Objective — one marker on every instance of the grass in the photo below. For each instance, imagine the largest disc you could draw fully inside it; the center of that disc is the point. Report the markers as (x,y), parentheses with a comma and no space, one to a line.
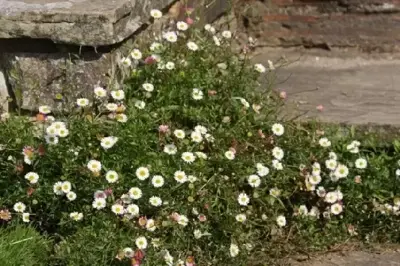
(22,245)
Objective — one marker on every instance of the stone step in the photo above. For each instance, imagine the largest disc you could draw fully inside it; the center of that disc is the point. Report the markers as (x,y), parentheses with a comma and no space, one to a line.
(353,88)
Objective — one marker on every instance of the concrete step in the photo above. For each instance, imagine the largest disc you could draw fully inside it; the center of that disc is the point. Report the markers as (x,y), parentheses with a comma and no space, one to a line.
(353,88)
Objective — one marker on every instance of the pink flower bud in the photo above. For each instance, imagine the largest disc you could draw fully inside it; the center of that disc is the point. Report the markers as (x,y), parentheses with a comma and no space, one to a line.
(189,21)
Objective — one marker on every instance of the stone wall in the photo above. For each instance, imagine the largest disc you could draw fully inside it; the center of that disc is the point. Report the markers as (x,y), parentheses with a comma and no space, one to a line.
(371,25)
(52,52)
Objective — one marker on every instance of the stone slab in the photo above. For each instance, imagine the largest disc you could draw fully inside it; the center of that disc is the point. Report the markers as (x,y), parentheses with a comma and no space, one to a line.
(79,22)
(353,88)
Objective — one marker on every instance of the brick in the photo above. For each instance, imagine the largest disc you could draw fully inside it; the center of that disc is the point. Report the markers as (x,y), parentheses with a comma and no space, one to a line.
(342,23)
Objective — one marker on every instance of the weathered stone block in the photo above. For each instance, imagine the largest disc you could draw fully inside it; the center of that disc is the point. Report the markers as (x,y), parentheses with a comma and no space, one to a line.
(53,51)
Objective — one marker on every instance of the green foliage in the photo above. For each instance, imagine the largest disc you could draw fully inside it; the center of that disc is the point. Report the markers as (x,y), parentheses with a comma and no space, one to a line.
(21,245)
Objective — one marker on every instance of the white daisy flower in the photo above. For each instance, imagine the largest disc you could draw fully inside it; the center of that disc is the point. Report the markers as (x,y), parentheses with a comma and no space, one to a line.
(118,95)
(331,164)
(155,201)
(217,41)
(262,170)
(100,92)
(192,46)
(151,225)
(118,209)
(259,68)
(157,181)
(243,199)
(196,137)
(32,177)
(281,221)
(82,102)
(341,171)
(128,253)
(52,140)
(170,149)
(148,87)
(180,134)
(111,176)
(275,192)
(277,164)
(112,107)
(140,104)
(339,194)
(314,179)
(132,209)
(25,217)
(353,147)
(303,210)
(19,207)
(336,209)
(171,36)
(122,118)
(278,153)
(332,155)
(321,192)
(361,163)
(230,155)
(192,178)
(188,157)
(58,125)
(63,132)
(155,13)
(278,129)
(94,166)
(51,131)
(398,172)
(197,94)
(142,173)
(66,186)
(135,193)
(71,196)
(244,102)
(201,155)
(141,242)
(254,180)
(170,65)
(45,109)
(125,61)
(76,216)
(197,234)
(241,218)
(226,34)
(180,177)
(324,142)
(201,129)
(314,212)
(209,137)
(316,168)
(233,250)
(57,188)
(108,142)
(331,197)
(183,220)
(136,54)
(181,25)
(156,47)
(99,203)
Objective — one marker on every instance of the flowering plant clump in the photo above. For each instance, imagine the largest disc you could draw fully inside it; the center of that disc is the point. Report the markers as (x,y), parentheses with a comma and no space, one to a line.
(185,163)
